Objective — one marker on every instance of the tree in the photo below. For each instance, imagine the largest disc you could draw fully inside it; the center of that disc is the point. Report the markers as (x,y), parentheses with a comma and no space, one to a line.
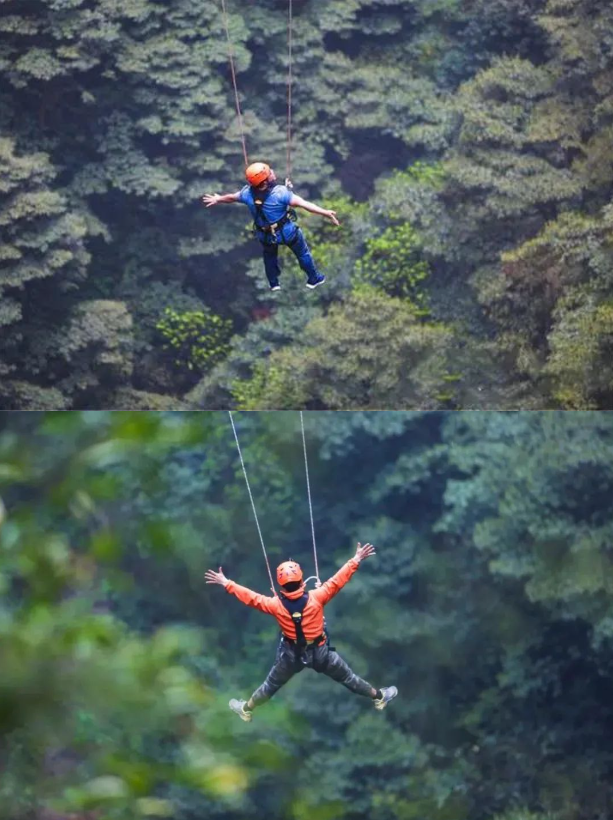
(581,344)
(392,263)
(43,236)
(197,339)
(370,353)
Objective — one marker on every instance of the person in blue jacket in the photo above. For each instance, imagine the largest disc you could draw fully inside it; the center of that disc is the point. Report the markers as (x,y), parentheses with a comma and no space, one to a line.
(269,204)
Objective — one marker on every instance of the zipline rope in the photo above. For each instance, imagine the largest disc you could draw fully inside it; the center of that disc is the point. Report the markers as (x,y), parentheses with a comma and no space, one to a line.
(290,79)
(306,469)
(255,515)
(233,72)
(289,93)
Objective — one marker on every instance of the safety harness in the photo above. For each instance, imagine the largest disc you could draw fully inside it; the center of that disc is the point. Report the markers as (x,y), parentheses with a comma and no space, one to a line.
(295,609)
(259,198)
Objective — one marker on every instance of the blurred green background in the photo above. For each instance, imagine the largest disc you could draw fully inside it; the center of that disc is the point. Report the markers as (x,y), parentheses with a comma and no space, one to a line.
(489,605)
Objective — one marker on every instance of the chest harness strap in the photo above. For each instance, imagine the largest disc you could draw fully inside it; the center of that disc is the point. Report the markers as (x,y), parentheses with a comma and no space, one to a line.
(295,609)
(261,223)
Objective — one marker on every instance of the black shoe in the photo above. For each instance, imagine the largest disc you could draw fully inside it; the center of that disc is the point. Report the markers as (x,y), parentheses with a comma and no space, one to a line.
(315,282)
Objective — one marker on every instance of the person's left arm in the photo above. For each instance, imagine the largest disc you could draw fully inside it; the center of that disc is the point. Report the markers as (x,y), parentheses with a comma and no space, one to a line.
(298,202)
(330,588)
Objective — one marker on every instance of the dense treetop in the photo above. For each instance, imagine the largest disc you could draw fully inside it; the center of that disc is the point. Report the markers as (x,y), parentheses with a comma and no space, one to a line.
(466,145)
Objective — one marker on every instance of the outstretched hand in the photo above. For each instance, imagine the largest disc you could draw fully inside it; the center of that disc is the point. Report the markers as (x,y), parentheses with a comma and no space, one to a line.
(213,577)
(364,551)
(332,217)
(210,199)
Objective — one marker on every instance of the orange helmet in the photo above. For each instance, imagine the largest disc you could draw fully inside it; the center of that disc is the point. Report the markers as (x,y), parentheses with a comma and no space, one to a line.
(257,173)
(287,572)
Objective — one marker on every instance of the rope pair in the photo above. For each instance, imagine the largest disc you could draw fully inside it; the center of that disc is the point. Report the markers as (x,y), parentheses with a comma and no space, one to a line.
(255,515)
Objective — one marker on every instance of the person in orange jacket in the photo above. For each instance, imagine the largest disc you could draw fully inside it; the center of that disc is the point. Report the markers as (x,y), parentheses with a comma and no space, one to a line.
(304,640)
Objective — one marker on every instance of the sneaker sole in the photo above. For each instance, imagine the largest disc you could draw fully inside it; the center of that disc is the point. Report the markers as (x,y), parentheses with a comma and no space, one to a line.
(380,705)
(316,285)
(240,713)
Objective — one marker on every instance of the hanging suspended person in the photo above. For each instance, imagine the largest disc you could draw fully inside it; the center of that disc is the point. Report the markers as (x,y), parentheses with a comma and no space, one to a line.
(304,639)
(269,204)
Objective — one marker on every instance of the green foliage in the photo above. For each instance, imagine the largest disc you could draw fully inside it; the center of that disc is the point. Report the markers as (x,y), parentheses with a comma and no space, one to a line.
(197,339)
(281,329)
(356,357)
(501,167)
(413,196)
(552,296)
(477,137)
(42,236)
(15,394)
(392,264)
(129,399)
(428,175)
(581,360)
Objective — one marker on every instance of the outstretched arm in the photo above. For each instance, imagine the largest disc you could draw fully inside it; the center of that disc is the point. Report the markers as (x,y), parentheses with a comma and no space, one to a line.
(299,202)
(216,199)
(247,596)
(327,591)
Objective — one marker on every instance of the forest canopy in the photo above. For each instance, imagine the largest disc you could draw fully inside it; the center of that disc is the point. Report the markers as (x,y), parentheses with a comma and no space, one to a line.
(488,604)
(465,144)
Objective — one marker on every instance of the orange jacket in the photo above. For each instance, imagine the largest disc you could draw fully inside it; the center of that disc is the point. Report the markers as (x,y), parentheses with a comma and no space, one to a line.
(313,612)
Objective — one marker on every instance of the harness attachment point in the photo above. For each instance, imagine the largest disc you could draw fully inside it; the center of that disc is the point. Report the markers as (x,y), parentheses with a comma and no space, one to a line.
(260,223)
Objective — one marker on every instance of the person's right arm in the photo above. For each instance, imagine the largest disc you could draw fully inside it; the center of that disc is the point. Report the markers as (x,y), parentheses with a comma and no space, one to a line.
(216,199)
(247,596)
(251,598)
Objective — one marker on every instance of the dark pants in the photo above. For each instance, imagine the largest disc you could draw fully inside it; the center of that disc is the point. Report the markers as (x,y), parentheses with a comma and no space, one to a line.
(320,658)
(293,237)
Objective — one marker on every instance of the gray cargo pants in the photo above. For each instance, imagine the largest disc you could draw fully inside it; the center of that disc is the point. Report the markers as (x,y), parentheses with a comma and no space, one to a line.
(320,658)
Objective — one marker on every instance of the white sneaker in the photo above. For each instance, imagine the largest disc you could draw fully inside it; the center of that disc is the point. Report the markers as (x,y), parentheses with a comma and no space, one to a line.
(238,706)
(389,693)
